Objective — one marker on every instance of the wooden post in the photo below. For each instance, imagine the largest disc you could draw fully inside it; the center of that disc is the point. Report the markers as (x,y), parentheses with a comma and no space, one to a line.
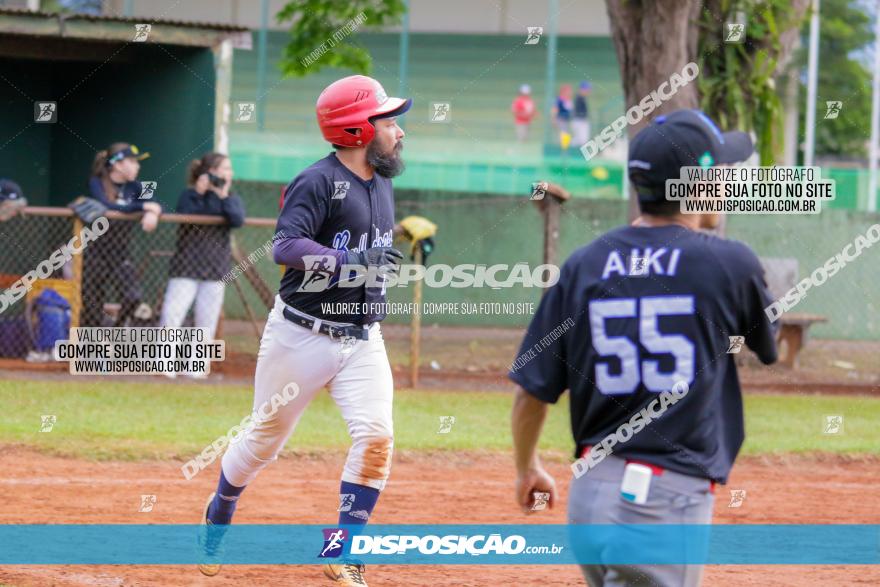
(550,205)
(551,230)
(416,326)
(77,277)
(221,321)
(222,92)
(252,275)
(247,308)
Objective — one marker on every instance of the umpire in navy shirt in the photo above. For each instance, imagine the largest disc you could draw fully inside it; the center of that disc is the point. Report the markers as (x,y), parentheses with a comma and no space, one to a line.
(638,329)
(203,254)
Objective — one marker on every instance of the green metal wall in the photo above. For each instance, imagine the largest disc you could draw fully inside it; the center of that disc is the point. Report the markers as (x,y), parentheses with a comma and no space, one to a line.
(24,146)
(849,299)
(489,229)
(160,98)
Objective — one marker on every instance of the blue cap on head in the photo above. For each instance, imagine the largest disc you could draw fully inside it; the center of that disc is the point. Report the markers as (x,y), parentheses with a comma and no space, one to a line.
(684,138)
(585,85)
(9,190)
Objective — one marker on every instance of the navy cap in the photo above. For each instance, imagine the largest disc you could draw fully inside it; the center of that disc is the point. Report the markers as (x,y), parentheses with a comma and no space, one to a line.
(684,138)
(9,190)
(129,151)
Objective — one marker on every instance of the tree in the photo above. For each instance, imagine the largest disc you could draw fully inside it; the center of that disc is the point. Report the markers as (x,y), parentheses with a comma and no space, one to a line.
(321,33)
(738,80)
(736,85)
(653,40)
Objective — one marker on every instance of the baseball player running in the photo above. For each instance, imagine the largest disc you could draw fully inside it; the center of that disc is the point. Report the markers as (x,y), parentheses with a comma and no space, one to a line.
(651,308)
(339,211)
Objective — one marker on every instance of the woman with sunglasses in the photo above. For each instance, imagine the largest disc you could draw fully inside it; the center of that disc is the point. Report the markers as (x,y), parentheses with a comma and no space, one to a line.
(107,262)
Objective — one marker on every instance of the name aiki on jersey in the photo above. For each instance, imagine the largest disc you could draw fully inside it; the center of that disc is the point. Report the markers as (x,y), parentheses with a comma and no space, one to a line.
(644,262)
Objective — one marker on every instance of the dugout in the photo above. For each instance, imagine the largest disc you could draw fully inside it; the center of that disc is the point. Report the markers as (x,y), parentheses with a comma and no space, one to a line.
(167,94)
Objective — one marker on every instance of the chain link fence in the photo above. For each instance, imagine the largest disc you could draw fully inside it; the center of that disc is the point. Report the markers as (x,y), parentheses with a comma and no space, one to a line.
(121,276)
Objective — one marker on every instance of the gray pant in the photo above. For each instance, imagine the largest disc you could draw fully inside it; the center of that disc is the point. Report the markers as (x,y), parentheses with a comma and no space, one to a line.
(672,499)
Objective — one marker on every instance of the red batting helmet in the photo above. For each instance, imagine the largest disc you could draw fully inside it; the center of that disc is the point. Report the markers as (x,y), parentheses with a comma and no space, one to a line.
(346,106)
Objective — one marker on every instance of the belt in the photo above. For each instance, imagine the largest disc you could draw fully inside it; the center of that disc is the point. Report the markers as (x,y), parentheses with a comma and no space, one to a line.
(654,468)
(331,330)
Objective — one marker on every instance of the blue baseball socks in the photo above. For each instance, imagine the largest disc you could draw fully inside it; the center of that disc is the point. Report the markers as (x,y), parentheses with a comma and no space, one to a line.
(356,503)
(221,509)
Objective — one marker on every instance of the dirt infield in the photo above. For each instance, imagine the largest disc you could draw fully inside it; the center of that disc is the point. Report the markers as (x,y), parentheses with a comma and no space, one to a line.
(439,488)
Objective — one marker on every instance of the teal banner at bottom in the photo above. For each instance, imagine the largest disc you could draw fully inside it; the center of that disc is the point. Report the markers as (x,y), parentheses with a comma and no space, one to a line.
(530,544)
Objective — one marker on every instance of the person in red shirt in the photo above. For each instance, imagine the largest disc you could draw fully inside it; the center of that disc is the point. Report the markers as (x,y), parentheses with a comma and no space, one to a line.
(523,109)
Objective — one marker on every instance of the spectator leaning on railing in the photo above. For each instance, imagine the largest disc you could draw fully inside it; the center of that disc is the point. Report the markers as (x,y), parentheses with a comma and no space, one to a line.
(12,199)
(203,253)
(107,262)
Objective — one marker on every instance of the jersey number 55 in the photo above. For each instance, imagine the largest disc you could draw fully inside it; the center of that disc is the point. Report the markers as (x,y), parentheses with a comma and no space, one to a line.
(633,370)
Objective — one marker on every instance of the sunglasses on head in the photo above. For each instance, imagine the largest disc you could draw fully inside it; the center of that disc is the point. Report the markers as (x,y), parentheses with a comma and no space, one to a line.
(130,151)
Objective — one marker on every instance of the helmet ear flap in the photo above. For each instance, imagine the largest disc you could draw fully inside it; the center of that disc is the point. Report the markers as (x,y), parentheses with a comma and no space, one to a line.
(354,136)
(368,131)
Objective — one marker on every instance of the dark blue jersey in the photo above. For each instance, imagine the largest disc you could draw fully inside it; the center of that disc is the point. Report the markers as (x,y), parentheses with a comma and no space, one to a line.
(641,308)
(331,205)
(581,107)
(563,108)
(113,248)
(203,251)
(127,195)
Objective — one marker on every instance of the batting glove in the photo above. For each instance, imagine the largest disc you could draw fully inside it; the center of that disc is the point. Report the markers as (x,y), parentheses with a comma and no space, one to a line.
(386,257)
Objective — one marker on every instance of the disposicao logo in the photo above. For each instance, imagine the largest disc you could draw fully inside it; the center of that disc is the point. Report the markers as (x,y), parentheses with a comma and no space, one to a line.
(334,542)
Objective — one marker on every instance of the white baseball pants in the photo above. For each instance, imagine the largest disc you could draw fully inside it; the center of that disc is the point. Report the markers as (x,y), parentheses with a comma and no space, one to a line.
(359,380)
(580,131)
(179,296)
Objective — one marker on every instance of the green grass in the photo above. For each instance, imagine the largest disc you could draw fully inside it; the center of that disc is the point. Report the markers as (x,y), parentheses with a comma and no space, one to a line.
(137,420)
(121,420)
(793,424)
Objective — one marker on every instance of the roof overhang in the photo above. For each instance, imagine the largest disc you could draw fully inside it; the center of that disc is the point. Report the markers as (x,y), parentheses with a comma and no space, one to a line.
(114,29)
